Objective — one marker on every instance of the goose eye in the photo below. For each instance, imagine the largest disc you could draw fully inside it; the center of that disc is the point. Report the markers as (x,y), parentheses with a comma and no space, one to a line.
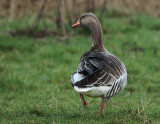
(83,17)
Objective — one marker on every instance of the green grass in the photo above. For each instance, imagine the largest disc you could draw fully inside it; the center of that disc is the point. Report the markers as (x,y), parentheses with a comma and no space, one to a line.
(35,74)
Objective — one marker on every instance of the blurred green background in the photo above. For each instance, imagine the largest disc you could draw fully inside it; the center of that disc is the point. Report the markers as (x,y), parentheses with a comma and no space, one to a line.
(39,51)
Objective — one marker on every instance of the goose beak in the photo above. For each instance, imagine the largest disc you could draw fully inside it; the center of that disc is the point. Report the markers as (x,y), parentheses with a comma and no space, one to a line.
(77,24)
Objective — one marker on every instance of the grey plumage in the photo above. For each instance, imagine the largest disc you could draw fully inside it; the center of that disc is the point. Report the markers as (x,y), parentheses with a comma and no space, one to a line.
(101,69)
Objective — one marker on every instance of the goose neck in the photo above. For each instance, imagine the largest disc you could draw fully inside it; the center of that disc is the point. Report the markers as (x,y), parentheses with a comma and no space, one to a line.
(96,33)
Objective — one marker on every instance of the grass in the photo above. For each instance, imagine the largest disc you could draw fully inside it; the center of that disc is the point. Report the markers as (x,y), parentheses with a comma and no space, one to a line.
(35,74)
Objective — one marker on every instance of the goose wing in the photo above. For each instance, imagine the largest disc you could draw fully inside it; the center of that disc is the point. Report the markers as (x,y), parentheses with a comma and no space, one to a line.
(97,69)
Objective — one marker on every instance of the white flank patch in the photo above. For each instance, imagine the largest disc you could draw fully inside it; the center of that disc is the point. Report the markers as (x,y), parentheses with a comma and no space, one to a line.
(93,91)
(81,90)
(77,77)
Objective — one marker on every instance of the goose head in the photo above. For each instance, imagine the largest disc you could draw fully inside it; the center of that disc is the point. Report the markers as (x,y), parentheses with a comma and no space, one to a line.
(86,20)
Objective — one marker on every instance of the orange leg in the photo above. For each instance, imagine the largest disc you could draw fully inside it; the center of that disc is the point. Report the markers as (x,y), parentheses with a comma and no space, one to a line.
(83,100)
(102,106)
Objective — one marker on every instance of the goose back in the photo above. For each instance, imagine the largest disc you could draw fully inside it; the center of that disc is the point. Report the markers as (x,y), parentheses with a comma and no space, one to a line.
(97,69)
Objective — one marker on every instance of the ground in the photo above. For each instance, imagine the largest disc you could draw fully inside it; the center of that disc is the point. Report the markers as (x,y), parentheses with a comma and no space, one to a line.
(35,74)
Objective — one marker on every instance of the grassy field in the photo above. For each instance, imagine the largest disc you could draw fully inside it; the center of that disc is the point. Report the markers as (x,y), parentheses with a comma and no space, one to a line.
(35,74)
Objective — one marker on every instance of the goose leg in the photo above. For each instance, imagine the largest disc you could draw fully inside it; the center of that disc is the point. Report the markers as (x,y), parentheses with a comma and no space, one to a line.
(83,100)
(102,106)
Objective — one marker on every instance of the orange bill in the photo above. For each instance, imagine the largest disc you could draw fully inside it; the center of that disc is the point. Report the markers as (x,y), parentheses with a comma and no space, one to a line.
(77,24)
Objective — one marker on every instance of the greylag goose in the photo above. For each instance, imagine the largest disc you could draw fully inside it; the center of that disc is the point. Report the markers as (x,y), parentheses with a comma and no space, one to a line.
(99,73)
